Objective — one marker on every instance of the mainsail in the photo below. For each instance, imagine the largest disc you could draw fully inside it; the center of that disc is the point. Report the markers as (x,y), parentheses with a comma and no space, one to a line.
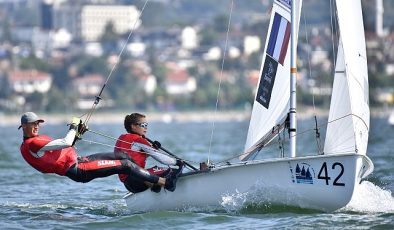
(271,103)
(347,130)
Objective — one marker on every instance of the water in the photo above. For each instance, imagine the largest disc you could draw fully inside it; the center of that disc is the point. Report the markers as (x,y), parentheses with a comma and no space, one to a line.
(31,200)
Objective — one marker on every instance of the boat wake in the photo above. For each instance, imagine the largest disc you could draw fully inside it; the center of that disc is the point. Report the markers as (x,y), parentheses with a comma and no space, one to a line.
(369,198)
(256,201)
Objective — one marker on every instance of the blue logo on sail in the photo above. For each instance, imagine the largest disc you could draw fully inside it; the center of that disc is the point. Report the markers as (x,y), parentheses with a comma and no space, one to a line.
(267,81)
(303,174)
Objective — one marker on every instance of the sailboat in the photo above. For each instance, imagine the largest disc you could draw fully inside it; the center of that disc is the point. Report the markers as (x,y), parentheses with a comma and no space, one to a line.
(324,180)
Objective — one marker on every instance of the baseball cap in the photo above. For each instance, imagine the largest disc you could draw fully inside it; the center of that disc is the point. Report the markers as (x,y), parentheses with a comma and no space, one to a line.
(29,117)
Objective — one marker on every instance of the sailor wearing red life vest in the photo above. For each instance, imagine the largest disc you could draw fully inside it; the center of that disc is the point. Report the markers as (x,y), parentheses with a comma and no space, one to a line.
(58,156)
(138,149)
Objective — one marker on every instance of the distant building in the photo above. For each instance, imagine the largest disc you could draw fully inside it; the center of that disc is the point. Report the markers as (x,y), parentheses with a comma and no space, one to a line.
(146,80)
(46,15)
(67,15)
(234,52)
(61,38)
(379,29)
(94,18)
(42,41)
(148,83)
(29,81)
(136,48)
(213,54)
(389,69)
(94,49)
(178,80)
(159,38)
(189,38)
(87,88)
(251,44)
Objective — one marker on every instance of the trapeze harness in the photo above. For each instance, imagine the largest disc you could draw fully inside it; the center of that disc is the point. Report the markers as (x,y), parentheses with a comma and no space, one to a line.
(57,156)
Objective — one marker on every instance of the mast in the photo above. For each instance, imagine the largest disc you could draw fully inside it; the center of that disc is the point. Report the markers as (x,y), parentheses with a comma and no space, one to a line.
(293,79)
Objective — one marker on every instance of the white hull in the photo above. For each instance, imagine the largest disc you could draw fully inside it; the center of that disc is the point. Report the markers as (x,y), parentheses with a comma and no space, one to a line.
(328,186)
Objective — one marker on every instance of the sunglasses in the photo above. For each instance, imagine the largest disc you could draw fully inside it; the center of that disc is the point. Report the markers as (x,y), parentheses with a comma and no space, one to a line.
(142,124)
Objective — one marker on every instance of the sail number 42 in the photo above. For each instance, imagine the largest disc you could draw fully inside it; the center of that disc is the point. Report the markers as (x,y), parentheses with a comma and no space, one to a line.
(324,175)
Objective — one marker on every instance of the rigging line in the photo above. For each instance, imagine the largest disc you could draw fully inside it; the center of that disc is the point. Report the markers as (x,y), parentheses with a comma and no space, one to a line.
(112,146)
(220,79)
(334,120)
(257,150)
(332,22)
(108,145)
(313,94)
(108,136)
(297,134)
(309,60)
(126,142)
(98,97)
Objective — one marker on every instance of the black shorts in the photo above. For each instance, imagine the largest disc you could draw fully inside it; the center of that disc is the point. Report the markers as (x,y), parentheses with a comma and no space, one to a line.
(135,185)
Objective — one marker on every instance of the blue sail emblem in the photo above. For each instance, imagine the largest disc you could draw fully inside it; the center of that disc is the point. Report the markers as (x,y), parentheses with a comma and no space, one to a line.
(303,174)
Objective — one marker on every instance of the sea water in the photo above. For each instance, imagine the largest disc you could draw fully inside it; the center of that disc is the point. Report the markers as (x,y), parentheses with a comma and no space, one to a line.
(31,200)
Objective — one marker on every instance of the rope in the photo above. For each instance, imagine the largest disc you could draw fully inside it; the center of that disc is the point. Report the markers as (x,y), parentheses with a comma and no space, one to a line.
(98,97)
(332,22)
(108,145)
(313,94)
(220,79)
(117,139)
(298,134)
(234,156)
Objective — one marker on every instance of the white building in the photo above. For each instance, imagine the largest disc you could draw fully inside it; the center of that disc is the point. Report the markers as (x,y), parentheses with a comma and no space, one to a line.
(146,80)
(178,80)
(213,54)
(87,88)
(189,38)
(68,16)
(29,81)
(61,38)
(251,44)
(94,18)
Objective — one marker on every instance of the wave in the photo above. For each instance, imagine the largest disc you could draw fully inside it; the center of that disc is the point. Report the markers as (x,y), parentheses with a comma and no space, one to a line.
(369,198)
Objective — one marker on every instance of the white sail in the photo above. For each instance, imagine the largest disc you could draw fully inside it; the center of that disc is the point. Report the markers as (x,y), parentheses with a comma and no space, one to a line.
(348,126)
(271,103)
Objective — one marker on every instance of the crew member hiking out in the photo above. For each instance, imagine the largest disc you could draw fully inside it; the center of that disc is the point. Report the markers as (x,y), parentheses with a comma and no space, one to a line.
(58,156)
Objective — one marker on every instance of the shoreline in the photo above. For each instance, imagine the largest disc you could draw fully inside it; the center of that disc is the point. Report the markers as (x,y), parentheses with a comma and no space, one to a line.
(174,116)
(118,117)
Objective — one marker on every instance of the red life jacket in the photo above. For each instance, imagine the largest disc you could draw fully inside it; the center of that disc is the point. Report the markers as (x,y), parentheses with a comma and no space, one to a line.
(124,143)
(54,161)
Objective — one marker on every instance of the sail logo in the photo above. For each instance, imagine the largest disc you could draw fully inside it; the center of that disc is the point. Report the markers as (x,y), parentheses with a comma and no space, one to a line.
(303,173)
(279,38)
(267,80)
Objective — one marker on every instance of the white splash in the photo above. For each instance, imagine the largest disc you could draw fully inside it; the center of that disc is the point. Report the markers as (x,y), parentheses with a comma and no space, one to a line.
(233,202)
(370,198)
